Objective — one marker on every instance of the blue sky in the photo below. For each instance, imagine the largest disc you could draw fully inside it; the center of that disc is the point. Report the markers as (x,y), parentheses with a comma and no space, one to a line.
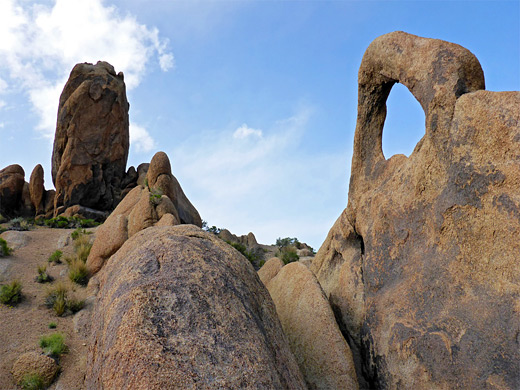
(253,101)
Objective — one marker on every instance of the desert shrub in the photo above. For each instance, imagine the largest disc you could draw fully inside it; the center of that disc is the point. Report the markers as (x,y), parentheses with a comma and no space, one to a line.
(78,233)
(75,305)
(78,272)
(213,229)
(288,254)
(53,345)
(82,252)
(61,222)
(19,224)
(82,244)
(32,381)
(43,276)
(251,256)
(4,248)
(55,257)
(155,196)
(287,241)
(53,325)
(59,300)
(11,294)
(56,298)
(69,259)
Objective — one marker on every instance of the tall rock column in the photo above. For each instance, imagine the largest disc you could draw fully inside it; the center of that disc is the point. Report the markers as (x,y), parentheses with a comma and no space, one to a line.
(92,138)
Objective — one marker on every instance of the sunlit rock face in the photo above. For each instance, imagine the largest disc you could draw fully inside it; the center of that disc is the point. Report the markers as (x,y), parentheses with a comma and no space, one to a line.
(178,308)
(422,268)
(92,138)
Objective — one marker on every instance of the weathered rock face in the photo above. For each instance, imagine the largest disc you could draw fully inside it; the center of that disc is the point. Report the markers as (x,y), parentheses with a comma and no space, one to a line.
(179,308)
(12,180)
(321,351)
(49,203)
(141,208)
(92,140)
(37,189)
(26,207)
(248,241)
(161,181)
(422,267)
(269,270)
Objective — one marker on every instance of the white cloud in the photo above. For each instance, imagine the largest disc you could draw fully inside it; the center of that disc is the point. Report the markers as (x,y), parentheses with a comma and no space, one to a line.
(270,187)
(40,44)
(2,104)
(3,86)
(166,62)
(244,132)
(140,139)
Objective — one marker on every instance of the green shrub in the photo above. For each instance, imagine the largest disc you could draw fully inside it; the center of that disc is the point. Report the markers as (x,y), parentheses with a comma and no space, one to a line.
(53,325)
(61,222)
(288,254)
(4,249)
(19,224)
(82,244)
(60,305)
(58,299)
(155,197)
(11,294)
(78,233)
(287,241)
(53,345)
(32,381)
(75,305)
(43,276)
(78,272)
(213,229)
(55,257)
(251,256)
(83,251)
(2,219)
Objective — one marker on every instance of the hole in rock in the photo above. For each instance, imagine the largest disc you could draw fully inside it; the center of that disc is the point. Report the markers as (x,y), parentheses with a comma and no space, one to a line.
(404,124)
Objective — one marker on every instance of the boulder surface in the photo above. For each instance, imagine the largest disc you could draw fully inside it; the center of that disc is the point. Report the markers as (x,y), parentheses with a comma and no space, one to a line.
(179,308)
(422,267)
(37,189)
(12,180)
(321,351)
(143,207)
(92,138)
(35,363)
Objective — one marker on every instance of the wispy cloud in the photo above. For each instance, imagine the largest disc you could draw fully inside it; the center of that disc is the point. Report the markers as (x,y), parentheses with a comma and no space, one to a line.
(40,44)
(140,139)
(244,132)
(268,184)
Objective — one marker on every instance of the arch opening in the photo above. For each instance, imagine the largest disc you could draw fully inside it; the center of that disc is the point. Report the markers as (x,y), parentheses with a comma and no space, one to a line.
(404,124)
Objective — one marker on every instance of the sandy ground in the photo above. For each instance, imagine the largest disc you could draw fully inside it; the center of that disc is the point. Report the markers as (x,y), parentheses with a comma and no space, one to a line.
(22,326)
